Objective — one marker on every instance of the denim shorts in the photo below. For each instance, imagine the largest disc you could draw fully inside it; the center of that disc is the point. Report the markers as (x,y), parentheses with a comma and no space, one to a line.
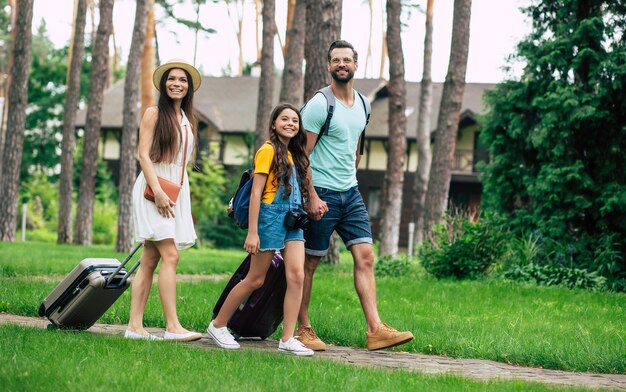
(272,230)
(346,215)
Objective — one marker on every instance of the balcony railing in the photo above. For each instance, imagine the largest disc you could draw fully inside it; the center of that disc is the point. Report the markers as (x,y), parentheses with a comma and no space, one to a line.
(463,161)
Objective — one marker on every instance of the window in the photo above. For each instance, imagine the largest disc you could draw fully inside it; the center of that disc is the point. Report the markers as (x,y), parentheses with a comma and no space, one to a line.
(373,202)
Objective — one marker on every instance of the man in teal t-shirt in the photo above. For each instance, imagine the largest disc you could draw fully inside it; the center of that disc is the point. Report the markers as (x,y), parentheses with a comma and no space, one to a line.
(333,158)
(335,203)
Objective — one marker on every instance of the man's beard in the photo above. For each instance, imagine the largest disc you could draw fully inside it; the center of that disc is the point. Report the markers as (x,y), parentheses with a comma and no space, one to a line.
(342,79)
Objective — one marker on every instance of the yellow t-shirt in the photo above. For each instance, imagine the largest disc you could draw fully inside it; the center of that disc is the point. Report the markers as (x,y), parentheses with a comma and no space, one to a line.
(262,162)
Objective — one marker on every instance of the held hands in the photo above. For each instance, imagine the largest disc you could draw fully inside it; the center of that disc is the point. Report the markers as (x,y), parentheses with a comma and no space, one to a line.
(164,204)
(252,243)
(317,207)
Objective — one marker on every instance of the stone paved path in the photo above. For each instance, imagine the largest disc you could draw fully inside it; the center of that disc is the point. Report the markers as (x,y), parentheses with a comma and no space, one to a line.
(430,364)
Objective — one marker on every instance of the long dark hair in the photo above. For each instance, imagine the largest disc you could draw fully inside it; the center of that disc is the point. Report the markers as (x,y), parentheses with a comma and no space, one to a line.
(297,147)
(165,144)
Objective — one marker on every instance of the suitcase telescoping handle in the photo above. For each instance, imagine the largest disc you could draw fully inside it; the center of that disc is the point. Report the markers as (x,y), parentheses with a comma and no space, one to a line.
(132,269)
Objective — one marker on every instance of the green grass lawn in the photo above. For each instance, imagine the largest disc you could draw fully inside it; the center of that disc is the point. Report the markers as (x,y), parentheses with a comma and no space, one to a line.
(549,327)
(39,360)
(39,258)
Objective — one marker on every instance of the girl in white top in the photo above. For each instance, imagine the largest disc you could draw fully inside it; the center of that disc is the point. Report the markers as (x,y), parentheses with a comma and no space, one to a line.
(164,226)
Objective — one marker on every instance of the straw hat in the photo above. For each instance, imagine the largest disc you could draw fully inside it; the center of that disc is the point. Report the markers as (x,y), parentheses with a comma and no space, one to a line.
(177,63)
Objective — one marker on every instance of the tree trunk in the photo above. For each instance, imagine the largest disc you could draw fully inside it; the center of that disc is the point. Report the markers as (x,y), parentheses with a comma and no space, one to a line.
(147,62)
(18,100)
(423,131)
(258,9)
(99,71)
(128,163)
(196,34)
(291,12)
(383,56)
(292,85)
(239,8)
(368,55)
(6,84)
(266,81)
(394,176)
(92,13)
(332,257)
(72,96)
(448,121)
(113,61)
(323,26)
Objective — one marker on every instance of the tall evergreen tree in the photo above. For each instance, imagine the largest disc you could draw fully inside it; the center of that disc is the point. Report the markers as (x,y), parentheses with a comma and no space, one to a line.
(72,96)
(128,151)
(420,185)
(99,72)
(394,176)
(6,62)
(266,81)
(556,137)
(147,61)
(18,97)
(323,26)
(448,120)
(292,84)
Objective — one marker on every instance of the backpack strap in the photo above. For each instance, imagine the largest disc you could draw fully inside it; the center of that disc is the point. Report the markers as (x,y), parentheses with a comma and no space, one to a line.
(330,109)
(368,111)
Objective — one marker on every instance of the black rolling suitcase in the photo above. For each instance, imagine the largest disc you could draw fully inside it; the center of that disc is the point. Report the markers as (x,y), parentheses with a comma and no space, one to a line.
(87,292)
(262,312)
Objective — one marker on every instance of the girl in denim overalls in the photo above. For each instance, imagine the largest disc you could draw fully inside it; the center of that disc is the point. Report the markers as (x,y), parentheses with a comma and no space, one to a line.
(280,185)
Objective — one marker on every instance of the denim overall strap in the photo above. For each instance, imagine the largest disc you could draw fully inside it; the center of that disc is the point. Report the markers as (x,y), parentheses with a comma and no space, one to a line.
(295,198)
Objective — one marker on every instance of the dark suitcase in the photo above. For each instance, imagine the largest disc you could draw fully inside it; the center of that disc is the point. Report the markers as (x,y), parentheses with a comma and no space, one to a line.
(87,292)
(262,312)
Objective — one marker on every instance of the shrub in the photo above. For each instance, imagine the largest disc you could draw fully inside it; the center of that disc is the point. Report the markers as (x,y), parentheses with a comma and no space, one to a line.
(104,223)
(461,248)
(220,231)
(211,189)
(609,262)
(547,262)
(553,275)
(39,235)
(387,266)
(522,251)
(42,198)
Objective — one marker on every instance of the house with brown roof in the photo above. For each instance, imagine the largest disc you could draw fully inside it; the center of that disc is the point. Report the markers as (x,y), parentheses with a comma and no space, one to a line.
(226,112)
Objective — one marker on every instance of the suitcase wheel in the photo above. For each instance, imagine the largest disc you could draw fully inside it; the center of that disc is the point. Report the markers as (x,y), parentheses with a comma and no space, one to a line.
(42,310)
(52,327)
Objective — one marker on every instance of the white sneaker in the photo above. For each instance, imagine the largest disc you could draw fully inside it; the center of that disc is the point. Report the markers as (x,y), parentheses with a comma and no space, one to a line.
(222,337)
(295,347)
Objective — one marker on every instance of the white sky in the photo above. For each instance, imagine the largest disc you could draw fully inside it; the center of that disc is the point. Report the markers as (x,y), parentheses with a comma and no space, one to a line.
(496,27)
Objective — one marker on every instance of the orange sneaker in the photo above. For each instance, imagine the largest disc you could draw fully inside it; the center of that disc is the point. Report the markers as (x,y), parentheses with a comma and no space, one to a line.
(307,336)
(386,337)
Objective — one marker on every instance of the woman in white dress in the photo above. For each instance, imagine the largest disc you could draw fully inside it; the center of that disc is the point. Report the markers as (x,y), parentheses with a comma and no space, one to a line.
(164,226)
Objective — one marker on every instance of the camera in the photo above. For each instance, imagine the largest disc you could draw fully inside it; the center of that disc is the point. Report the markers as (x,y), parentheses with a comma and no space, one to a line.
(297,219)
